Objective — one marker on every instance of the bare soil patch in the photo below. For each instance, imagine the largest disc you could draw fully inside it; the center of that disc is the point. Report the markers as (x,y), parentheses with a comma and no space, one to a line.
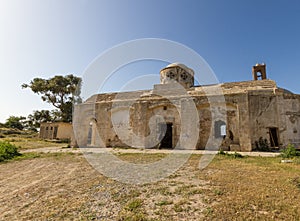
(64,186)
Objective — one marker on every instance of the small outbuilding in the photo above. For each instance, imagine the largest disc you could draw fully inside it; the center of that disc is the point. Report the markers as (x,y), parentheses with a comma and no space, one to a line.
(56,130)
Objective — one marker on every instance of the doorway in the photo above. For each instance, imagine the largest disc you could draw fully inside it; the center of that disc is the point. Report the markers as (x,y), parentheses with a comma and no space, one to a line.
(90,133)
(273,131)
(166,141)
(55,132)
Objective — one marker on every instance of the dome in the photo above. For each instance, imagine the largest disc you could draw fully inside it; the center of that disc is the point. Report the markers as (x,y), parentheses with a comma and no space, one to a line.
(177,72)
(184,67)
(176,64)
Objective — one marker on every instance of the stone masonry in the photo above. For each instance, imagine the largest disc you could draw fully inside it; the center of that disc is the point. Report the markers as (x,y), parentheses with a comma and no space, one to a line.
(232,116)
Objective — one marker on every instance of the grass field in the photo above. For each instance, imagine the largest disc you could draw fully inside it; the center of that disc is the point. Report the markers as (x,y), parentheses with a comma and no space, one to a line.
(64,186)
(30,141)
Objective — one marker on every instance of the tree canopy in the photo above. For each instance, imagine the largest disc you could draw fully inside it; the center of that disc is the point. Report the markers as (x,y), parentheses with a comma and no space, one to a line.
(38,117)
(60,91)
(15,122)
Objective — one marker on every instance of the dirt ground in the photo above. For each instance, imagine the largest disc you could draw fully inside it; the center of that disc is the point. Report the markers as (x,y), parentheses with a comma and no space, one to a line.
(64,186)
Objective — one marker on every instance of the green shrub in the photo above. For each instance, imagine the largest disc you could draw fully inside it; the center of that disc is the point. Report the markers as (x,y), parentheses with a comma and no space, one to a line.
(221,152)
(232,155)
(11,132)
(262,145)
(289,151)
(8,151)
(237,155)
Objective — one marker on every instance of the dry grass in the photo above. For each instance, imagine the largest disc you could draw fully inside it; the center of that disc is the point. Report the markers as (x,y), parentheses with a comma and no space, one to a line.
(31,142)
(64,186)
(26,139)
(255,189)
(140,158)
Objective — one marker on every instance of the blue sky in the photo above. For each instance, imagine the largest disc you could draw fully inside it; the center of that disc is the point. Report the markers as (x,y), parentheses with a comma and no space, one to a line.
(59,37)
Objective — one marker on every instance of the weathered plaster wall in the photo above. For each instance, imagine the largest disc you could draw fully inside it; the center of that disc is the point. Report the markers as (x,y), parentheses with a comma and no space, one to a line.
(263,114)
(133,118)
(56,130)
(275,109)
(289,118)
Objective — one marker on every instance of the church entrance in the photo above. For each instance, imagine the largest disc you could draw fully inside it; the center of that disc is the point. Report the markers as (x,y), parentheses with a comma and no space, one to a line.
(274,142)
(166,141)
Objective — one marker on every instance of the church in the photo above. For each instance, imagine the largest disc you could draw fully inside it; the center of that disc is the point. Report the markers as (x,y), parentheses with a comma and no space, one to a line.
(176,114)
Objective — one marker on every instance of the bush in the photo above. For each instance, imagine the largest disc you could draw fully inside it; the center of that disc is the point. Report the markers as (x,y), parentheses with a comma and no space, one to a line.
(8,151)
(289,151)
(232,155)
(237,155)
(11,132)
(221,152)
(262,145)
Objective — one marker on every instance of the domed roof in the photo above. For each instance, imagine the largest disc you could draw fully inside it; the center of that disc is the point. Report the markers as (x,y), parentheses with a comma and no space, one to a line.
(184,67)
(177,64)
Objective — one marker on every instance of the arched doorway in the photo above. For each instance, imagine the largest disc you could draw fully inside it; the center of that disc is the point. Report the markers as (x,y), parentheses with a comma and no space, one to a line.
(166,141)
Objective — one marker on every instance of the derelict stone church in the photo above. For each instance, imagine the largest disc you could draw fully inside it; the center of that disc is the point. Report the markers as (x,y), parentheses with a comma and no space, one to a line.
(229,115)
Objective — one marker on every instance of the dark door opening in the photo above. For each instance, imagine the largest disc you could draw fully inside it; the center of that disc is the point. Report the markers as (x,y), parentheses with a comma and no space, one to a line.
(55,132)
(90,132)
(273,131)
(166,141)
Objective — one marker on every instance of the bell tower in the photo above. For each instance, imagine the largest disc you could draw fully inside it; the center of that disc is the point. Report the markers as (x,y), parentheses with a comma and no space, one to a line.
(259,72)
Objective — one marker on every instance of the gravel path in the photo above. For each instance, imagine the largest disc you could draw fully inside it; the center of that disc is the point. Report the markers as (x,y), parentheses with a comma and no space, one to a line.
(120,150)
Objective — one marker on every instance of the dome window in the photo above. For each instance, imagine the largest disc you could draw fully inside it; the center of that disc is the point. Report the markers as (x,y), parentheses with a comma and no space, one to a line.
(170,75)
(184,76)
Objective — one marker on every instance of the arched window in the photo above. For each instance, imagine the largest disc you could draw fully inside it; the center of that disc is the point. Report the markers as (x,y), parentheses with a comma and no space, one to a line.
(223,130)
(220,129)
(91,132)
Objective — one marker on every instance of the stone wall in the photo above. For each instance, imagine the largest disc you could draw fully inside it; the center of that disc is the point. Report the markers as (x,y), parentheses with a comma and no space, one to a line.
(248,109)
